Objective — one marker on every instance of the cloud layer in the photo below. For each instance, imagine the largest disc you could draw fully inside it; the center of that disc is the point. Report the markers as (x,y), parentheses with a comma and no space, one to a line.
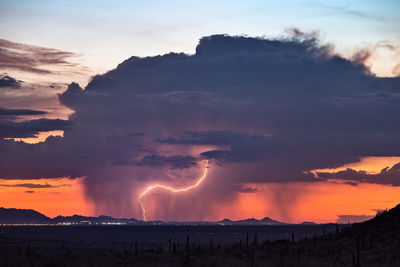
(258,110)
(31,58)
(20,112)
(8,81)
(386,175)
(11,129)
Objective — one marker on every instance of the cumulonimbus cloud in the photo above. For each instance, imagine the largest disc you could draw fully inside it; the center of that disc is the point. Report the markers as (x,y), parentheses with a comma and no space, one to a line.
(258,110)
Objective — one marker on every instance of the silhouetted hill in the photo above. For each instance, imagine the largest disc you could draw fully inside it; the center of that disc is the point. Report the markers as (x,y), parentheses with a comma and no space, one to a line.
(29,216)
(388,217)
(308,223)
(386,223)
(375,242)
(251,221)
(21,216)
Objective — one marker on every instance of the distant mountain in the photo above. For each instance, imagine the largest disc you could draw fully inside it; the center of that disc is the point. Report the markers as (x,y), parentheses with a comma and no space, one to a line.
(29,216)
(251,221)
(308,223)
(22,216)
(102,219)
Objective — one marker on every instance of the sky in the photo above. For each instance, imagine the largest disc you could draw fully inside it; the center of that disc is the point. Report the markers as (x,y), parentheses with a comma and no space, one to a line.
(287,109)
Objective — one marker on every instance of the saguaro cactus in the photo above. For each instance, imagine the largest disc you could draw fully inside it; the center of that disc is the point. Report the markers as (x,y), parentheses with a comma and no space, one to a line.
(358,253)
(247,239)
(252,257)
(136,247)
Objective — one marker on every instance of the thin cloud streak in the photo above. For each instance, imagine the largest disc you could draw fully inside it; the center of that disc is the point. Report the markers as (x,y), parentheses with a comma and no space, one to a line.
(33,59)
(28,185)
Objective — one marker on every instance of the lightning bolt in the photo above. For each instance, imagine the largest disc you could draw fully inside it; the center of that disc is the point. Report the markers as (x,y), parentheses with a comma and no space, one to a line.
(169,188)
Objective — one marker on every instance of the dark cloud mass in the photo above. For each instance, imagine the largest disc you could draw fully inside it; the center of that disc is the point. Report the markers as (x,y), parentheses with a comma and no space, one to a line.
(11,129)
(29,185)
(248,190)
(8,81)
(20,112)
(257,110)
(175,162)
(386,176)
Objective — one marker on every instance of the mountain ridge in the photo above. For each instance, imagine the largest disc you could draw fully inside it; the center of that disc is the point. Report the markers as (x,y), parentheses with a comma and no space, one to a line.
(251,221)
(21,216)
(30,216)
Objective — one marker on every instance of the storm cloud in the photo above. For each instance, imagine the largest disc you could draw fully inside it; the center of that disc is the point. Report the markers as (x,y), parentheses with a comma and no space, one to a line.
(20,112)
(8,81)
(30,128)
(385,176)
(257,110)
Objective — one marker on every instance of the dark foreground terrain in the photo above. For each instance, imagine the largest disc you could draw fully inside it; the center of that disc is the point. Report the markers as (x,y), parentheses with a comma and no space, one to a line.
(372,243)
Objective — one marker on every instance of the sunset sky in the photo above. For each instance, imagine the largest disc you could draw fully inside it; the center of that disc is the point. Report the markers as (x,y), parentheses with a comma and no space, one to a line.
(287,109)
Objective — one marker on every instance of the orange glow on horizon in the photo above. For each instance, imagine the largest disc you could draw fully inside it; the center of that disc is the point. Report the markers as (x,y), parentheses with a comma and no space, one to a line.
(293,202)
(319,202)
(63,196)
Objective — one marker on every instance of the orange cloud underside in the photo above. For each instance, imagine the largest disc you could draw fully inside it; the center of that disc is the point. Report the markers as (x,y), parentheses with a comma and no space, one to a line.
(372,165)
(65,199)
(40,137)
